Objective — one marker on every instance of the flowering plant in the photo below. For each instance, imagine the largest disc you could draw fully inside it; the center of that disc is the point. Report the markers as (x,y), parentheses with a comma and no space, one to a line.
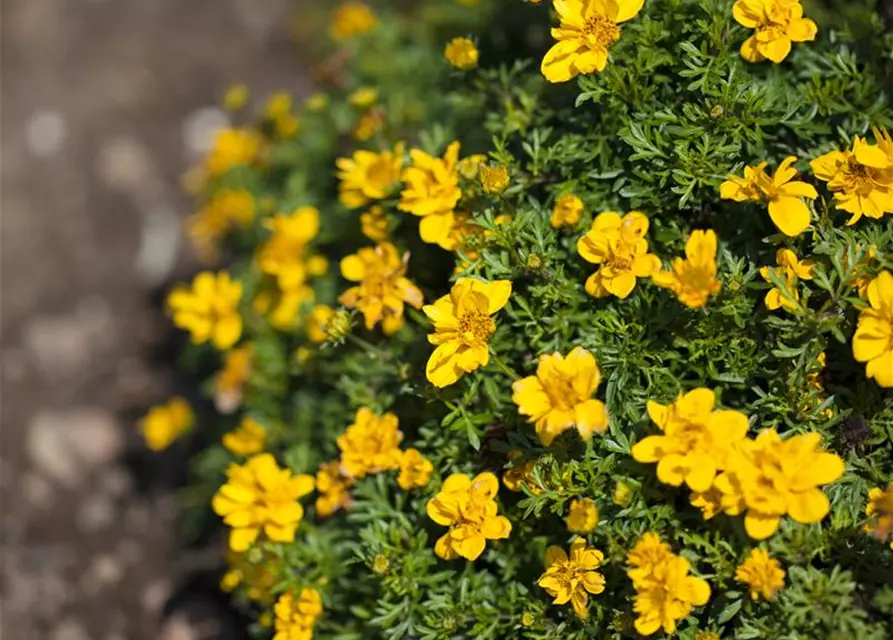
(521,337)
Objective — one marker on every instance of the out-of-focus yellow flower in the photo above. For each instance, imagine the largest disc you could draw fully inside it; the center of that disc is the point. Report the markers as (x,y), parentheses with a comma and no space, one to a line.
(461,53)
(257,575)
(166,422)
(761,573)
(559,396)
(247,439)
(259,495)
(332,487)
(375,224)
(296,616)
(227,209)
(317,102)
(776,24)
(567,211)
(284,254)
(519,474)
(582,516)
(873,340)
(622,494)
(209,309)
(231,379)
(382,287)
(667,596)
(236,97)
(790,269)
(571,578)
(232,148)
(431,191)
(880,513)
(317,329)
(494,179)
(693,279)
(368,176)
(369,124)
(415,470)
(363,98)
(352,19)
(462,328)
(370,444)
(282,307)
(470,167)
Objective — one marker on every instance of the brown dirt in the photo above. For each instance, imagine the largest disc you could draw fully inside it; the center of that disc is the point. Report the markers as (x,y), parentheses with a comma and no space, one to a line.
(104,105)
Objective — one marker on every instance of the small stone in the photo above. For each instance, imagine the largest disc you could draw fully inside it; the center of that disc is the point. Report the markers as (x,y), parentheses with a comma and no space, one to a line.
(178,627)
(104,571)
(38,491)
(45,133)
(159,245)
(69,630)
(201,126)
(115,482)
(124,164)
(155,596)
(95,514)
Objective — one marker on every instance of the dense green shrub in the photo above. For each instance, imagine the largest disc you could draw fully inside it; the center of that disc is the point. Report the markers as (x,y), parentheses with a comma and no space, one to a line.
(674,113)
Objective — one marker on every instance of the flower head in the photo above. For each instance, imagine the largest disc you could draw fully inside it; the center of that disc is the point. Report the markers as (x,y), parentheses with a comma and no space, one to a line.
(363,98)
(461,53)
(259,495)
(776,24)
(587,31)
(619,246)
(332,489)
(873,340)
(317,323)
(790,269)
(572,577)
(468,507)
(668,596)
(368,176)
(257,575)
(582,516)
(567,211)
(861,179)
(431,191)
(352,19)
(247,439)
(415,470)
(231,379)
(295,616)
(209,309)
(370,444)
(696,439)
(383,289)
(559,396)
(762,574)
(494,179)
(236,97)
(166,422)
(227,209)
(284,255)
(369,124)
(693,279)
(880,513)
(463,325)
(781,192)
(769,478)
(375,224)
(232,148)
(643,559)
(519,474)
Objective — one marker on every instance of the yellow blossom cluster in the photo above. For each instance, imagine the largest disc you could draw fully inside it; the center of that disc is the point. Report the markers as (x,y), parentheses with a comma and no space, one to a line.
(209,309)
(279,111)
(296,615)
(665,591)
(352,19)
(761,573)
(571,577)
(468,507)
(229,382)
(776,24)
(461,53)
(790,270)
(246,439)
(880,513)
(166,422)
(227,209)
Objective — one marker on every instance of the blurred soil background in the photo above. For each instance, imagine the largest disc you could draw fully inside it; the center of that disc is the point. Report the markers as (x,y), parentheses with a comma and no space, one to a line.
(105,104)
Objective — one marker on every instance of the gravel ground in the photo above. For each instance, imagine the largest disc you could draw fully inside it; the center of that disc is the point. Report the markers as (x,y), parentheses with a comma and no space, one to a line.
(105,104)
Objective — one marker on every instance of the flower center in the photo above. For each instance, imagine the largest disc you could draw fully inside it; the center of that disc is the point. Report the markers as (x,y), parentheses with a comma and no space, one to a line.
(476,327)
(380,173)
(601,30)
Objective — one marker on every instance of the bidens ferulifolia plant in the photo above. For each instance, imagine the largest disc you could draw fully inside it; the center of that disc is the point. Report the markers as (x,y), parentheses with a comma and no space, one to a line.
(568,319)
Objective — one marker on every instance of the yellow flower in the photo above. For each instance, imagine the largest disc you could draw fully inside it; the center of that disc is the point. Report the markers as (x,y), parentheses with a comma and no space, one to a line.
(317,331)
(858,278)
(587,31)
(209,309)
(619,246)
(368,176)
(283,306)
(363,98)
(236,97)
(247,439)
(667,596)
(782,193)
(257,575)
(382,287)
(518,475)
(370,444)
(494,179)
(696,440)
(461,53)
(375,224)
(352,19)
(776,23)
(259,495)
(468,507)
(710,502)
(295,617)
(232,148)
(571,578)
(165,423)
(622,494)
(860,178)
(559,396)
(278,105)
(470,167)
(369,124)
(649,552)
(227,208)
(432,192)
(873,340)
(693,279)
(567,211)
(582,517)
(770,478)
(284,254)
(880,513)
(317,102)
(332,488)
(790,269)
(707,635)
(761,573)
(462,328)
(415,470)
(231,379)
